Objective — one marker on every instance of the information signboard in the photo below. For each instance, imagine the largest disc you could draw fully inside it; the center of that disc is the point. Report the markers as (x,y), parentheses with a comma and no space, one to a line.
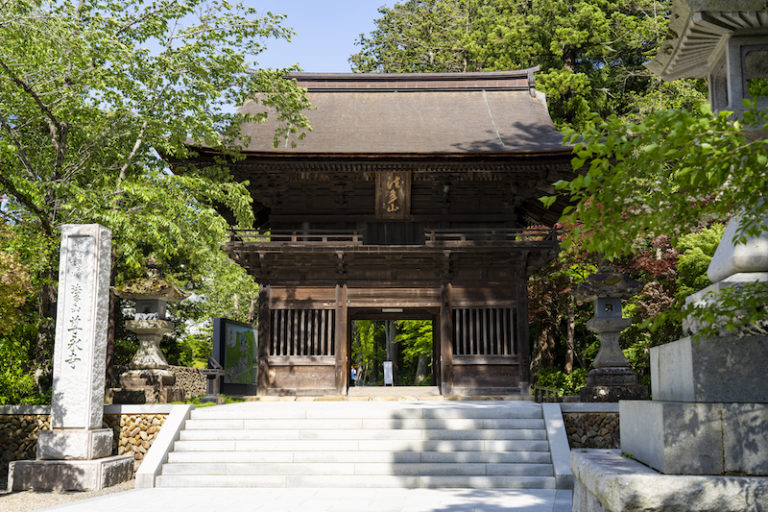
(388,380)
(234,347)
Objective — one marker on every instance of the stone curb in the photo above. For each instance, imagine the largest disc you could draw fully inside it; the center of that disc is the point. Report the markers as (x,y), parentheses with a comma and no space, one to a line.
(7,410)
(558,445)
(589,407)
(158,452)
(619,483)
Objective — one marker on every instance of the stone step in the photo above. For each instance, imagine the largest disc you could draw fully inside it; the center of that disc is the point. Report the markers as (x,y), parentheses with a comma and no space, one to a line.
(445,445)
(541,457)
(354,434)
(364,423)
(366,468)
(370,481)
(370,410)
(394,391)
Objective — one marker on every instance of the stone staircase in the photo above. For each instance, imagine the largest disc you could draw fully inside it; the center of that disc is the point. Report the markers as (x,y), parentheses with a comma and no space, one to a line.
(441,444)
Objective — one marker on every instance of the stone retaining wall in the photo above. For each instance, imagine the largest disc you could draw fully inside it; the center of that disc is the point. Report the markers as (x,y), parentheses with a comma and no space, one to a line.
(592,429)
(190,380)
(134,433)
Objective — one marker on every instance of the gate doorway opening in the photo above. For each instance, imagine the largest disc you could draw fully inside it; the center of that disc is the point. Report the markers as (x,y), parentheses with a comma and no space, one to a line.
(407,340)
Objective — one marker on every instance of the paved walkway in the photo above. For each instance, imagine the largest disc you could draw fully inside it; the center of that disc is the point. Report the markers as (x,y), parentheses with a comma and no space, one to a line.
(327,500)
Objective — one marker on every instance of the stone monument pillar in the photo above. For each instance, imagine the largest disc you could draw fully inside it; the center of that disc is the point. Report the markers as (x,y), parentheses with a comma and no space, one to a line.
(75,453)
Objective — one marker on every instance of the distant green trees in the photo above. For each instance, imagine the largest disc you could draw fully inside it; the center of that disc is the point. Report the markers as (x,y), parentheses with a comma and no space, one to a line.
(590,51)
(410,351)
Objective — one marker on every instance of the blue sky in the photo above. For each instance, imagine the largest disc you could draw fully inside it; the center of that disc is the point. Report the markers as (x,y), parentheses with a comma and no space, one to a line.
(326,31)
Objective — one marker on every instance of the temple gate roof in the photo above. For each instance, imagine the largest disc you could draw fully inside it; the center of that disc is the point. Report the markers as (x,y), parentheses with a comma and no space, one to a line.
(416,113)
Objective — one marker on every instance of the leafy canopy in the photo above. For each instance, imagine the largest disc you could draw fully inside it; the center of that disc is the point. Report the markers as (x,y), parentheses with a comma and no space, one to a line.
(93,93)
(667,174)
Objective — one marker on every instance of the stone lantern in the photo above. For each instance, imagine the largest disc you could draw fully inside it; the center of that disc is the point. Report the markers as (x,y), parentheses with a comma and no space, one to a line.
(149,380)
(610,378)
(722,41)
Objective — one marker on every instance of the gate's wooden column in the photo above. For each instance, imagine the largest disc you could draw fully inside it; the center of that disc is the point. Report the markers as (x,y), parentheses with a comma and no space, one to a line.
(342,347)
(265,334)
(524,352)
(446,340)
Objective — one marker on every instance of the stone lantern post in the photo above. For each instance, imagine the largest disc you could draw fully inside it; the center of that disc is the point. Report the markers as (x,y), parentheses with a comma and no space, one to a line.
(610,379)
(149,380)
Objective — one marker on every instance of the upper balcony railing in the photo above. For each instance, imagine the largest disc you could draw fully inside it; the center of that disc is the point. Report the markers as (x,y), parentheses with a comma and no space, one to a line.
(451,237)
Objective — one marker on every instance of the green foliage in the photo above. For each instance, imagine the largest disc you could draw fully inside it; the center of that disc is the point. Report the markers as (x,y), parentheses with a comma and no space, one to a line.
(415,339)
(590,51)
(97,97)
(663,176)
(696,251)
(736,310)
(564,383)
(17,386)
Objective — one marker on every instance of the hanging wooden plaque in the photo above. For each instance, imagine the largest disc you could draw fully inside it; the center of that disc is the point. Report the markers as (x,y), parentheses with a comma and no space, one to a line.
(393,195)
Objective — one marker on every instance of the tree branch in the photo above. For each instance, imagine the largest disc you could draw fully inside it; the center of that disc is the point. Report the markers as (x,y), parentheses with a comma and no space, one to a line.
(140,19)
(22,153)
(21,83)
(28,202)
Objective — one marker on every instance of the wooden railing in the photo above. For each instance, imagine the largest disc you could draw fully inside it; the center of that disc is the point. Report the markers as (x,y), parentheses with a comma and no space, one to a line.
(485,235)
(300,236)
(433,237)
(542,394)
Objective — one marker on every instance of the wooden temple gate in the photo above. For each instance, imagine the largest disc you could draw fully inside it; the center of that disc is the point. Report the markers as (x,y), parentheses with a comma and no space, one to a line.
(416,193)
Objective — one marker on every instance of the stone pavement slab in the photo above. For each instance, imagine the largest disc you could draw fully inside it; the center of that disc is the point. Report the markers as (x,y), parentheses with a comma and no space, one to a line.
(328,500)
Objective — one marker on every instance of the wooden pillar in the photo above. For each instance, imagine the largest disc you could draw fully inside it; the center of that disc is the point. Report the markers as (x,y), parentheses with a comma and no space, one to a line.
(446,341)
(265,335)
(522,334)
(342,347)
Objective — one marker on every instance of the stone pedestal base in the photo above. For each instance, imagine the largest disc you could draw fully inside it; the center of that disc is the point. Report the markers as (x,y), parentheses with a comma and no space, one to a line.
(72,444)
(146,386)
(147,395)
(611,384)
(604,481)
(696,438)
(721,369)
(142,378)
(69,475)
(612,393)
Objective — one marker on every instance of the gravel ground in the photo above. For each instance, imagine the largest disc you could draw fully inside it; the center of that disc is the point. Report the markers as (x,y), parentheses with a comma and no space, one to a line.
(25,501)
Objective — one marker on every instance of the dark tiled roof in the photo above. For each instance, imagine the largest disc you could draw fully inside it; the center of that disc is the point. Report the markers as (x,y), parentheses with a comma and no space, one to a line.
(423,113)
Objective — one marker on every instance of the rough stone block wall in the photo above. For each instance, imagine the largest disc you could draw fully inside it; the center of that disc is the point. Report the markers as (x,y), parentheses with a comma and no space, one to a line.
(592,429)
(18,439)
(133,435)
(190,380)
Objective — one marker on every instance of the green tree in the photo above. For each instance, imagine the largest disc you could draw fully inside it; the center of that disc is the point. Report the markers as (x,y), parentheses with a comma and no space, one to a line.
(92,93)
(590,51)
(415,339)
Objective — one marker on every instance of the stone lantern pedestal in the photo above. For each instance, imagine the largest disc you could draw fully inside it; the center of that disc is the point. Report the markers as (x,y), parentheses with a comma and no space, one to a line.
(610,379)
(148,379)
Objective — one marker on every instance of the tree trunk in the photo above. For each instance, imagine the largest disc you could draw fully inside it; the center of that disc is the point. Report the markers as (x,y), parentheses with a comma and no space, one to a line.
(569,336)
(111,378)
(421,370)
(543,349)
(46,329)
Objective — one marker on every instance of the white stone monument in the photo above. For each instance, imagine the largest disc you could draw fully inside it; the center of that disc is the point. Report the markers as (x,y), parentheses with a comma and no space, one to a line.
(76,453)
